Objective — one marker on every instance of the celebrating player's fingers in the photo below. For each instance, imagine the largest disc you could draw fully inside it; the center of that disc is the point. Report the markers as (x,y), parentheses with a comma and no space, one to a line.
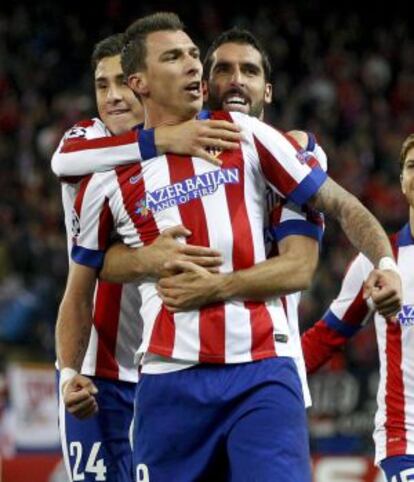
(72,398)
(192,250)
(211,143)
(220,135)
(176,232)
(389,307)
(222,125)
(370,283)
(185,266)
(204,261)
(84,410)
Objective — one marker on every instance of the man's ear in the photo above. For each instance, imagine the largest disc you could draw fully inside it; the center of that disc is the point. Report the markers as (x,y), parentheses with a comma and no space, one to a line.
(268,93)
(138,83)
(403,189)
(204,87)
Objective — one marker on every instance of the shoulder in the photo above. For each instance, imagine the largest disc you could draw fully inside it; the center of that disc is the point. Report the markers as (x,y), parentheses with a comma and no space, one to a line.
(87,129)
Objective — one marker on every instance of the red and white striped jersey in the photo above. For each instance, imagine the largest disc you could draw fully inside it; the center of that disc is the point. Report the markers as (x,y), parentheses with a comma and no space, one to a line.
(394,420)
(88,147)
(287,219)
(223,208)
(117,326)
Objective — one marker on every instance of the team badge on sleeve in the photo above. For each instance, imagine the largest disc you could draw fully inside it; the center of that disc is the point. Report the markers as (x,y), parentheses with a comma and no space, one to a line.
(75,132)
(75,224)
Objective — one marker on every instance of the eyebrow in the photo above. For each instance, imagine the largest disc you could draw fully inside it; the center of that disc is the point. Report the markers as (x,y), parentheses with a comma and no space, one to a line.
(105,78)
(177,51)
(243,64)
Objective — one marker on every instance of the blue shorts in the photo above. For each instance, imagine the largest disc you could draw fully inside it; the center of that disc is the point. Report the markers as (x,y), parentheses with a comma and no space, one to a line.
(240,423)
(399,468)
(98,448)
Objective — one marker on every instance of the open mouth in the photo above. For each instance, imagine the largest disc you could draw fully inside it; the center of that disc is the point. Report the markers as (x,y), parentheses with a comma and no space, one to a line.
(194,88)
(235,101)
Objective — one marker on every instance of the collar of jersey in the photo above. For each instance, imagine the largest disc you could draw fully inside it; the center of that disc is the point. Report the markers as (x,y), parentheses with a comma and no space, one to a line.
(204,115)
(405,237)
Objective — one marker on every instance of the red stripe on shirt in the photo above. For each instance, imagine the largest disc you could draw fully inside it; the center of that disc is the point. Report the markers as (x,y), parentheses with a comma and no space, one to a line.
(76,144)
(163,334)
(396,431)
(212,318)
(106,320)
(357,311)
(274,171)
(262,341)
(84,123)
(106,225)
(319,344)
(394,393)
(81,193)
(132,185)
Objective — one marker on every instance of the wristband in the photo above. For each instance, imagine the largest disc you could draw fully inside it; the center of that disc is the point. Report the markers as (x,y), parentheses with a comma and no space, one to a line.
(146,142)
(387,262)
(66,374)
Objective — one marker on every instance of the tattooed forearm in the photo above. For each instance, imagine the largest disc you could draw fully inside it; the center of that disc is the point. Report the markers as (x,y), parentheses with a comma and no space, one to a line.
(360,226)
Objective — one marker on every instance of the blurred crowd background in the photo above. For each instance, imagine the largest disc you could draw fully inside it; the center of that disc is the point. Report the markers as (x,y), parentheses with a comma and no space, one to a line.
(345,76)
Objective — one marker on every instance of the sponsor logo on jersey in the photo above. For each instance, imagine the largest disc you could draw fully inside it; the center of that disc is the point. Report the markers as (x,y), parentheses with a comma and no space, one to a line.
(303,156)
(406,316)
(185,191)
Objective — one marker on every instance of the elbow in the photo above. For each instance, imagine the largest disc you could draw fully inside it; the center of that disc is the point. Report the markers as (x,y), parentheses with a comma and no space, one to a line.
(304,276)
(55,165)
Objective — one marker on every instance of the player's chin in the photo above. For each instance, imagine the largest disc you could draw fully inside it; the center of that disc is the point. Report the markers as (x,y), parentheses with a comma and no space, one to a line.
(192,107)
(120,123)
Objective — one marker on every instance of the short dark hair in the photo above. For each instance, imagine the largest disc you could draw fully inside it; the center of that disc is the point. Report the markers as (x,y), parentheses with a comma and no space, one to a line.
(134,54)
(108,47)
(406,146)
(241,36)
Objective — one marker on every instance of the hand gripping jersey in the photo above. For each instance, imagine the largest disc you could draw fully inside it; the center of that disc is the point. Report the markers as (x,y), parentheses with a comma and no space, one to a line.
(394,420)
(223,208)
(117,325)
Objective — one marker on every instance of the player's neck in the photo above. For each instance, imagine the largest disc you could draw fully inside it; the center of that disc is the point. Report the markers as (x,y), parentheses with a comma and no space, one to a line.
(156,115)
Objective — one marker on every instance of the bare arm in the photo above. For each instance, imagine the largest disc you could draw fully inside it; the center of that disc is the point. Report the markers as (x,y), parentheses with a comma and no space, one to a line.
(289,272)
(79,156)
(73,329)
(360,226)
(123,264)
(75,317)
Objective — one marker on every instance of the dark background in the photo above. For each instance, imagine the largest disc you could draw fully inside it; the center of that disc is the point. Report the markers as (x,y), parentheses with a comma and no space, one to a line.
(345,75)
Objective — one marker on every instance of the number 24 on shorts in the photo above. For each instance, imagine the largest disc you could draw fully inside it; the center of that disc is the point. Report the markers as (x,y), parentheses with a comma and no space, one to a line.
(93,465)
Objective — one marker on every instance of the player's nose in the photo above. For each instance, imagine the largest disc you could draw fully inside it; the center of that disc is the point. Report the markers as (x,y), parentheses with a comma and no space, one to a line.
(237,77)
(114,94)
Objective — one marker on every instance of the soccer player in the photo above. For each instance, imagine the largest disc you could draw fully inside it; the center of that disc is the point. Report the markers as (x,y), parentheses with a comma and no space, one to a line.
(394,420)
(265,428)
(99,449)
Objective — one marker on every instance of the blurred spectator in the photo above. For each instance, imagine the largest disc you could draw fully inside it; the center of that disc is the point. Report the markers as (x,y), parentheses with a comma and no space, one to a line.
(348,79)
